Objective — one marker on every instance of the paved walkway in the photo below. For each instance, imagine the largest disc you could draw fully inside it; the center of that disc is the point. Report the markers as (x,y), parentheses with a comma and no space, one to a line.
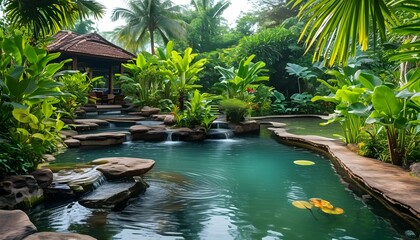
(396,186)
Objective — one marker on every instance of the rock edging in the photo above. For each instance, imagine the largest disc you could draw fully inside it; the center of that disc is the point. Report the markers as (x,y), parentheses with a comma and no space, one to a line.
(400,190)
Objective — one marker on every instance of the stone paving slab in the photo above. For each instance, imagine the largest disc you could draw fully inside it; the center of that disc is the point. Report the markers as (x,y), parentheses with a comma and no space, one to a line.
(394,184)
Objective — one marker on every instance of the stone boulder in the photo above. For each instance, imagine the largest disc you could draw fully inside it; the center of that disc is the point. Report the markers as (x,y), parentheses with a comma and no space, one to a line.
(72,143)
(148,111)
(15,225)
(69,133)
(80,180)
(101,139)
(43,177)
(20,191)
(84,127)
(99,122)
(58,191)
(415,169)
(113,195)
(247,127)
(58,236)
(122,167)
(140,132)
(188,134)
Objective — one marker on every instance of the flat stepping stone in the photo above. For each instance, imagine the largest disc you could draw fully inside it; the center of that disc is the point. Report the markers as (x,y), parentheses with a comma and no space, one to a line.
(99,122)
(80,181)
(113,195)
(148,133)
(72,143)
(101,139)
(84,126)
(125,119)
(58,236)
(122,167)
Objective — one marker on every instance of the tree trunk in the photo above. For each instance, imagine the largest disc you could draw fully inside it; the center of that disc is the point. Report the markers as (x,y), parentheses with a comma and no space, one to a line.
(152,41)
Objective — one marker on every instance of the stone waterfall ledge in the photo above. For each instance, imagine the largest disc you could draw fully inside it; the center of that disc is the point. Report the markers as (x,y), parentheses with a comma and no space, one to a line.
(385,181)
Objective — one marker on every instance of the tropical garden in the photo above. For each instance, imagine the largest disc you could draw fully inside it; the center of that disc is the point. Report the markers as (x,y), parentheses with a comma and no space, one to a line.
(355,60)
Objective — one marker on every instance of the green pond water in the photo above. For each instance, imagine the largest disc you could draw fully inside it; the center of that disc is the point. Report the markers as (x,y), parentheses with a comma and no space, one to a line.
(240,188)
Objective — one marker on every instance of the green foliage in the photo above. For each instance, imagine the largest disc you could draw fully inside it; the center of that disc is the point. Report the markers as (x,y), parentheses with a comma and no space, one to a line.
(236,82)
(44,18)
(181,71)
(145,18)
(78,86)
(276,47)
(198,111)
(17,158)
(28,93)
(142,84)
(235,109)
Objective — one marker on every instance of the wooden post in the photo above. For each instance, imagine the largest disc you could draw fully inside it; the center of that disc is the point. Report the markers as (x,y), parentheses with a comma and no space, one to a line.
(75,63)
(111,80)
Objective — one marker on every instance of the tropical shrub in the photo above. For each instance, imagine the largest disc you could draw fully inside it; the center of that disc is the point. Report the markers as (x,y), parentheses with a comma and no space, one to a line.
(181,71)
(28,94)
(78,85)
(142,84)
(276,47)
(198,111)
(236,83)
(236,110)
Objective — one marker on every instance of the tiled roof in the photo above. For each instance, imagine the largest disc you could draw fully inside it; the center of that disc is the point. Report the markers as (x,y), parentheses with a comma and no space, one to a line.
(91,44)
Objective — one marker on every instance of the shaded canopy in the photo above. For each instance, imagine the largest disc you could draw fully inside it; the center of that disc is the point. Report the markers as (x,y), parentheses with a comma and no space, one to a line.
(90,45)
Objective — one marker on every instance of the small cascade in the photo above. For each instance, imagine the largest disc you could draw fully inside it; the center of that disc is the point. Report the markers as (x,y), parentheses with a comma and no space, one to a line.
(219,125)
(170,137)
(220,133)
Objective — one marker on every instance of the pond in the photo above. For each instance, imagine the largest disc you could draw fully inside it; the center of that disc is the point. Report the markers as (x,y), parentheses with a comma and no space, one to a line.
(240,188)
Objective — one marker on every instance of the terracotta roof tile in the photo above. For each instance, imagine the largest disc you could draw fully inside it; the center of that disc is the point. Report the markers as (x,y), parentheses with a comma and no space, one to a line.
(91,44)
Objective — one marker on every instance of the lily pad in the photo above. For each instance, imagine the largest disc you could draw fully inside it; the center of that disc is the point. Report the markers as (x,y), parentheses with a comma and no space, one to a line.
(321,203)
(302,204)
(335,211)
(303,162)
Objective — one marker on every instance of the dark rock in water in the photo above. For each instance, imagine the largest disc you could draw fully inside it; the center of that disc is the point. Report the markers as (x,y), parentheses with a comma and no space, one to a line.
(58,236)
(113,195)
(43,177)
(247,127)
(188,134)
(20,191)
(410,234)
(15,225)
(140,132)
(58,191)
(122,167)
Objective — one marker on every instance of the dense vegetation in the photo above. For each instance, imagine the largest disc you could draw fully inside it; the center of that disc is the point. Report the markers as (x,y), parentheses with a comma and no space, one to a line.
(259,67)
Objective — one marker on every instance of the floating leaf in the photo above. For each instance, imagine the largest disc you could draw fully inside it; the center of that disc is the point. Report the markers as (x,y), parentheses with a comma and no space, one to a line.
(335,211)
(302,204)
(321,203)
(303,162)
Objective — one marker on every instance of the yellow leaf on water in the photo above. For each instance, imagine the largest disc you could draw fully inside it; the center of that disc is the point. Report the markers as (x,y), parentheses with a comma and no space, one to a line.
(335,211)
(302,204)
(303,162)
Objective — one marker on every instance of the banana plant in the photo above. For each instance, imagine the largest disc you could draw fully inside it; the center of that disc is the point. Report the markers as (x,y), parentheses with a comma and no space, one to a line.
(182,71)
(399,112)
(235,82)
(352,96)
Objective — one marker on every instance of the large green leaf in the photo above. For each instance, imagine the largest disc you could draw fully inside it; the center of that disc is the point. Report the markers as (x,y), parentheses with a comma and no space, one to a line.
(385,102)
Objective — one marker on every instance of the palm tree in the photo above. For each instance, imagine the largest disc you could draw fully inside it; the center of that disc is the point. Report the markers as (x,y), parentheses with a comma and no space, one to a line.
(208,16)
(44,18)
(336,27)
(146,17)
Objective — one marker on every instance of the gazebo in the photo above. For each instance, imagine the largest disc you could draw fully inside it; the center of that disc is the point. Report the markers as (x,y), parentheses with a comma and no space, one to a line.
(93,54)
